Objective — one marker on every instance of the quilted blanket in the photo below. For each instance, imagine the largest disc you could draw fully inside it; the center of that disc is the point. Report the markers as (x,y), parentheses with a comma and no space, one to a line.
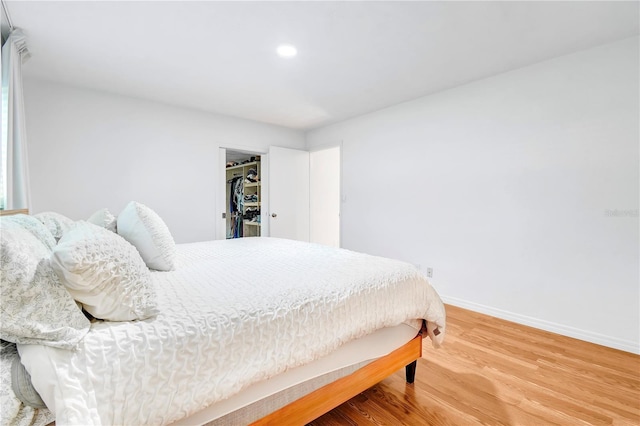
(232,313)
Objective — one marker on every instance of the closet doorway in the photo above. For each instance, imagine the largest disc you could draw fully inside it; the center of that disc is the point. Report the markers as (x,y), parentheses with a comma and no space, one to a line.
(244,194)
(294,194)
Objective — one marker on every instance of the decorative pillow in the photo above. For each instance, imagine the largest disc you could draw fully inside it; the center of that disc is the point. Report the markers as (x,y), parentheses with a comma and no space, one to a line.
(105,273)
(35,227)
(14,411)
(36,308)
(22,386)
(143,228)
(57,223)
(104,218)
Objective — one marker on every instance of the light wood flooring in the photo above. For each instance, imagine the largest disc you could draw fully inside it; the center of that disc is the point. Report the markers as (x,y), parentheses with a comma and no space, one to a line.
(492,371)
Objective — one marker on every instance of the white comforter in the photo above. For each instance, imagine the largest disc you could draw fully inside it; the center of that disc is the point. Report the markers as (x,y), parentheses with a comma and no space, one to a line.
(233,313)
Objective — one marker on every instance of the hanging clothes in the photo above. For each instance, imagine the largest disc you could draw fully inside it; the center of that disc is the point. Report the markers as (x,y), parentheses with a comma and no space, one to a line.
(236,203)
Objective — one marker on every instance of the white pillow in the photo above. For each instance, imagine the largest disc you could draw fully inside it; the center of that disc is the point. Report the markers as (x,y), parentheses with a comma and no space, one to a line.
(36,308)
(143,228)
(35,226)
(105,273)
(57,223)
(104,218)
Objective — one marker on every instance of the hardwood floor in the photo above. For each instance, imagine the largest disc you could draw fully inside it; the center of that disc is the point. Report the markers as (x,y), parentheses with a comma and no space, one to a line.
(492,371)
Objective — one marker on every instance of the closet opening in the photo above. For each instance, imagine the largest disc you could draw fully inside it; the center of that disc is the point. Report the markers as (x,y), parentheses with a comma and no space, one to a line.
(243,178)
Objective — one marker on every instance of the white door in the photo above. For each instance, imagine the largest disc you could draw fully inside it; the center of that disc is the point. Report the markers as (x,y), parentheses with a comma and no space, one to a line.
(325,196)
(288,193)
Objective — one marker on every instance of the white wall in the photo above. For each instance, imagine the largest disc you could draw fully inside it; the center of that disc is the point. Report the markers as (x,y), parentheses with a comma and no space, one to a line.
(503,186)
(89,150)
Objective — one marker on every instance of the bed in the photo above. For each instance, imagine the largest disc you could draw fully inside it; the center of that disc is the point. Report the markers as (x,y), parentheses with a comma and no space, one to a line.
(247,331)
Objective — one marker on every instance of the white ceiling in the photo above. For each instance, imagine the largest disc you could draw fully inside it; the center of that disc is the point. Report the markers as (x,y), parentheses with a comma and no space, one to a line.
(353,57)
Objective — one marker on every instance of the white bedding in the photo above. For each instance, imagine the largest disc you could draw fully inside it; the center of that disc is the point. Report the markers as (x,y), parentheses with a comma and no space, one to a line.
(231,314)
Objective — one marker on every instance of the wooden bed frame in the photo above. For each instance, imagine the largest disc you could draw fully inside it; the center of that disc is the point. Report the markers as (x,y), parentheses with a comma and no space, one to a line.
(10,212)
(328,397)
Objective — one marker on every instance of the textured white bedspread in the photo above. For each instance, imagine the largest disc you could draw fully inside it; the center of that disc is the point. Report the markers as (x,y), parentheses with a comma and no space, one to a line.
(232,313)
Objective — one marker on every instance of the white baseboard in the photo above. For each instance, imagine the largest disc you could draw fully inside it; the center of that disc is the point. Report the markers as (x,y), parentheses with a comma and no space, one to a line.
(588,336)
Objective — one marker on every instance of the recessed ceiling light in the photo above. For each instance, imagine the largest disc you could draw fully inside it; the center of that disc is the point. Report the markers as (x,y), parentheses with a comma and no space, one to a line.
(287,51)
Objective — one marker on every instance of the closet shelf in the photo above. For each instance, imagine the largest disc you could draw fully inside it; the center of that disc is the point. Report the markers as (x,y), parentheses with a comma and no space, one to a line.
(249,185)
(251,223)
(239,166)
(256,204)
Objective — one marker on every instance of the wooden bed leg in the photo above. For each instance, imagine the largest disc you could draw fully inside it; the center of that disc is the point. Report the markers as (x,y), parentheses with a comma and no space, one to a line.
(410,371)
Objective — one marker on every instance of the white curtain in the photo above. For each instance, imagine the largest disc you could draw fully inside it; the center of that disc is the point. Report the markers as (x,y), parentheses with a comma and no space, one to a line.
(14,170)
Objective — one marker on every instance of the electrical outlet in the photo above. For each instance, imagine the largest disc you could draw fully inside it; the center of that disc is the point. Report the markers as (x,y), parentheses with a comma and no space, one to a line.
(429,272)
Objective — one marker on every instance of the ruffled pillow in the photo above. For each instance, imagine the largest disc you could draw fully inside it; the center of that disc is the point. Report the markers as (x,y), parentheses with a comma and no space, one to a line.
(143,228)
(57,223)
(36,308)
(105,273)
(104,218)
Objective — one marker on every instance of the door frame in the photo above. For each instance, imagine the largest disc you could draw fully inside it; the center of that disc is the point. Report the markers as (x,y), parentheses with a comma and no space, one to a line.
(221,191)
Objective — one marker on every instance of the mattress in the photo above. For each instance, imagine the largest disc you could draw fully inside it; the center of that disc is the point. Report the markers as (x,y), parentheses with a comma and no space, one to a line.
(272,394)
(232,314)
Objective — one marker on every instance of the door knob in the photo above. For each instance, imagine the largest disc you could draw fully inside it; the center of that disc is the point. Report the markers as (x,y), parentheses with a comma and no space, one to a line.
(274,215)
